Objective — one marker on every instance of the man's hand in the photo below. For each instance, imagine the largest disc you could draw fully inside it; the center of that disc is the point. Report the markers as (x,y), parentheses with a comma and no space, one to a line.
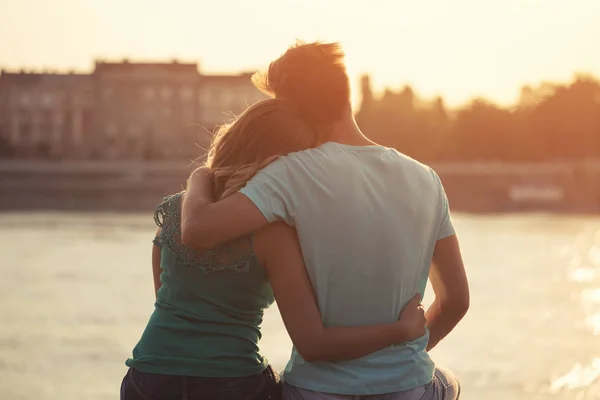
(411,321)
(198,194)
(199,187)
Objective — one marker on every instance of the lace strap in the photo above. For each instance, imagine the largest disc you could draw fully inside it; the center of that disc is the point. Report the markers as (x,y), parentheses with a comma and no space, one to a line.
(168,205)
(168,210)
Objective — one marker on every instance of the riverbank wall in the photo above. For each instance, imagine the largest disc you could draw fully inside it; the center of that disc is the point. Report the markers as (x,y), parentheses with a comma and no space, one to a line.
(139,187)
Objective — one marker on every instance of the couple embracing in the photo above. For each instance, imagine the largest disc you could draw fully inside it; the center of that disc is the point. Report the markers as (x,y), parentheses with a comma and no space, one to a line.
(296,205)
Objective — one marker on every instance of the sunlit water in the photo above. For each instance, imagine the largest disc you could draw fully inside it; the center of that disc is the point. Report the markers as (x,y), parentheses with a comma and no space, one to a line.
(76,290)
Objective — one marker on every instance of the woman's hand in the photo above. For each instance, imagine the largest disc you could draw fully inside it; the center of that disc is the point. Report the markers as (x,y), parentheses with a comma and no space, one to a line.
(411,321)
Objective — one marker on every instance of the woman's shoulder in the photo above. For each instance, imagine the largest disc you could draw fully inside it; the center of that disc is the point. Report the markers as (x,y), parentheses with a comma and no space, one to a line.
(236,255)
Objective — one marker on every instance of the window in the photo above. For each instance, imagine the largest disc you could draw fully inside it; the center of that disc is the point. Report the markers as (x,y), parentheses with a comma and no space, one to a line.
(228,100)
(186,93)
(25,132)
(188,114)
(47,99)
(149,114)
(166,93)
(58,118)
(77,99)
(133,131)
(25,99)
(240,99)
(148,93)
(166,112)
(245,98)
(111,130)
(209,98)
(108,93)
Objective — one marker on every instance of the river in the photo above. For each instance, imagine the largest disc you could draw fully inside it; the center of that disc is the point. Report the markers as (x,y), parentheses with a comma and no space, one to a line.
(76,291)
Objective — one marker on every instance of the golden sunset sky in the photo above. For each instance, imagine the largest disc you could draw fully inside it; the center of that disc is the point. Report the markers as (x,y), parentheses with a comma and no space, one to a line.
(455,48)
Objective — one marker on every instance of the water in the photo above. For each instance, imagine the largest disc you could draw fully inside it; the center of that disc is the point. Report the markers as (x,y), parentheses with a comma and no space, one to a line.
(76,290)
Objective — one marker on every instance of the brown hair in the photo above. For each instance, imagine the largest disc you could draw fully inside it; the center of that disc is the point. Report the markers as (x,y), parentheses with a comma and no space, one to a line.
(265,131)
(313,77)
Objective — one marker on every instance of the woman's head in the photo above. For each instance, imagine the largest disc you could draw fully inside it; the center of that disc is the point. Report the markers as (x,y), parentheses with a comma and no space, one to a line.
(265,131)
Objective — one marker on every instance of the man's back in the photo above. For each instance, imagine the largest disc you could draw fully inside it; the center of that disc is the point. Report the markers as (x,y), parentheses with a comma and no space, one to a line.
(368,219)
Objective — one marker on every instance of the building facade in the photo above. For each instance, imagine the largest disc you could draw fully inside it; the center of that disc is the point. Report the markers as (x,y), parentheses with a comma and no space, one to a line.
(45,114)
(122,110)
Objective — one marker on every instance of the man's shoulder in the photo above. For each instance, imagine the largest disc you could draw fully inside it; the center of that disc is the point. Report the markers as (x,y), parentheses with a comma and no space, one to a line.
(285,164)
(409,162)
(303,157)
(303,154)
(313,157)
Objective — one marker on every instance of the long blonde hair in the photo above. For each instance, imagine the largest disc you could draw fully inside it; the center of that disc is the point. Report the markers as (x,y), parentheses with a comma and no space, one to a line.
(265,131)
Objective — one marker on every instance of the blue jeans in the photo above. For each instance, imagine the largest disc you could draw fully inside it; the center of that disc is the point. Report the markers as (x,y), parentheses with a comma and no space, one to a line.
(444,386)
(145,386)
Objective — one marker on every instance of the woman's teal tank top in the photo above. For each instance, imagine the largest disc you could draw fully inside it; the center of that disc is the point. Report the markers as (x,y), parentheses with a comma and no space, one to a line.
(207,316)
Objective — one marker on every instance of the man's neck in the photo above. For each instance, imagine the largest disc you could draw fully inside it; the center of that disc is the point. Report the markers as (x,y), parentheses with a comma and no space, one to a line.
(346,131)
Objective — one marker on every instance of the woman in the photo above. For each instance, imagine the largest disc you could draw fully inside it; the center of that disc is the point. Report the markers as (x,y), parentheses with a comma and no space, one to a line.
(201,342)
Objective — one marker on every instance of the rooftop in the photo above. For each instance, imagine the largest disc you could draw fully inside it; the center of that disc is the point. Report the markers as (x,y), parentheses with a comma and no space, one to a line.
(45,78)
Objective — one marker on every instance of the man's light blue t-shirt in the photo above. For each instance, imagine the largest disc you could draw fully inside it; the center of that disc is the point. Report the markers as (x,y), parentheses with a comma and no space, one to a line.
(367,218)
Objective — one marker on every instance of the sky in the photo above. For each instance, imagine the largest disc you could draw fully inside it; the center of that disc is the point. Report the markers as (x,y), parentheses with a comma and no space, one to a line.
(458,49)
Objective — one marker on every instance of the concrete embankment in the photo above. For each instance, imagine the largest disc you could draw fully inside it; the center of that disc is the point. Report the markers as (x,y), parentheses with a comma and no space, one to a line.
(127,187)
(139,187)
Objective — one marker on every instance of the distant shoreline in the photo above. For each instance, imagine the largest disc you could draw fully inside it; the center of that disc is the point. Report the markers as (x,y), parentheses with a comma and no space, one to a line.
(10,165)
(133,186)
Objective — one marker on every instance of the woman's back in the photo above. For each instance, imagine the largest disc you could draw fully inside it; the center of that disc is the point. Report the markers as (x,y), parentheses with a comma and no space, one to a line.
(208,309)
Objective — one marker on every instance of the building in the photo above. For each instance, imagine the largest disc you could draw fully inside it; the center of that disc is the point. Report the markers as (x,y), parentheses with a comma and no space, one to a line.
(223,96)
(45,114)
(141,108)
(122,110)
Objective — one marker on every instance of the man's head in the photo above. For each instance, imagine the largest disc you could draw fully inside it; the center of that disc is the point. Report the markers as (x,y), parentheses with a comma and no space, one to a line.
(311,76)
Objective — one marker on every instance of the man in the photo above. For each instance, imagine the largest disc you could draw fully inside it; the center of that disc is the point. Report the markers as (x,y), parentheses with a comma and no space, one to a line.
(370,221)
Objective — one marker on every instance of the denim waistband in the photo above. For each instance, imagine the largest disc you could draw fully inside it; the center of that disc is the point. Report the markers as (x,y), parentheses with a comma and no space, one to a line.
(139,385)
